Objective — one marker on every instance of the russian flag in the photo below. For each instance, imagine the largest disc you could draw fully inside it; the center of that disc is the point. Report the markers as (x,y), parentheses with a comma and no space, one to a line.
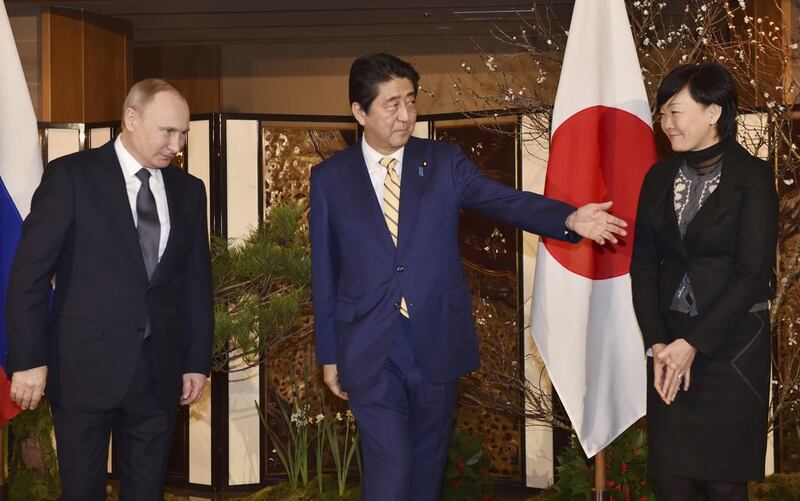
(601,147)
(20,173)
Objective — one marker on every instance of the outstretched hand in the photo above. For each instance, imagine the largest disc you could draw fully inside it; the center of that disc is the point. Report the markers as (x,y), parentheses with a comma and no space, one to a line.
(592,221)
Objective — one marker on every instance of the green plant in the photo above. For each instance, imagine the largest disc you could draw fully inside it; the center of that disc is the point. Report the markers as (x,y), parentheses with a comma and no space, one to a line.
(320,442)
(467,475)
(293,454)
(777,487)
(33,466)
(342,457)
(284,492)
(262,300)
(626,469)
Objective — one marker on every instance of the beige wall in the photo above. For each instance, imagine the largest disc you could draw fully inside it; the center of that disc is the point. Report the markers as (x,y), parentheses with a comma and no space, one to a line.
(312,79)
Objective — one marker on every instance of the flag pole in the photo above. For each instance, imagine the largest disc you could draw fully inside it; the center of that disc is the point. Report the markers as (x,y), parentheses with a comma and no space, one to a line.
(600,492)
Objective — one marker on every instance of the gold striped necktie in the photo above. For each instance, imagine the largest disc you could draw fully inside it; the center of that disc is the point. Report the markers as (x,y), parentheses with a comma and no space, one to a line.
(391,208)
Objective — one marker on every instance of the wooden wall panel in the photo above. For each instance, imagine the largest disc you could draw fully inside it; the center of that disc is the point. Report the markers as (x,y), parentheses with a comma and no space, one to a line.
(194,70)
(105,72)
(86,68)
(62,62)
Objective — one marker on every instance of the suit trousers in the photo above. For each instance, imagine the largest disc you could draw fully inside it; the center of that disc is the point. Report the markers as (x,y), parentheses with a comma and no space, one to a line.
(142,431)
(405,422)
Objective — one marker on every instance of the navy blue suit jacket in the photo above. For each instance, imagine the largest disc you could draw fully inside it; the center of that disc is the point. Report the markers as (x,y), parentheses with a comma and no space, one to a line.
(359,276)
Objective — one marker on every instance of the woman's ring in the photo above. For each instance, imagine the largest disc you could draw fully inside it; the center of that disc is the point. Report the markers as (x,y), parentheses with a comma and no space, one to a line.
(680,376)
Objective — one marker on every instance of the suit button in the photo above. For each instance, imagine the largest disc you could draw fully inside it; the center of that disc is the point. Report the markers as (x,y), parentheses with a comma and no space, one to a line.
(401,268)
(396,305)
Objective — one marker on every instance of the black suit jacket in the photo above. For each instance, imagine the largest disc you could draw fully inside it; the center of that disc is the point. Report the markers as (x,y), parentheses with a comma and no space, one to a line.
(90,333)
(728,250)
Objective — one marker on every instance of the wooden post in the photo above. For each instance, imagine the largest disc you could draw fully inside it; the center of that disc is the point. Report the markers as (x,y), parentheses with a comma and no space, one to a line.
(600,493)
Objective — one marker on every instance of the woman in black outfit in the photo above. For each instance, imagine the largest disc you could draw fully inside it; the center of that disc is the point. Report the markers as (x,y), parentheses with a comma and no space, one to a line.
(702,272)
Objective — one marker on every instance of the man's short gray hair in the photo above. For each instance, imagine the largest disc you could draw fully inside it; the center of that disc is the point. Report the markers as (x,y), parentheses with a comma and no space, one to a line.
(144,91)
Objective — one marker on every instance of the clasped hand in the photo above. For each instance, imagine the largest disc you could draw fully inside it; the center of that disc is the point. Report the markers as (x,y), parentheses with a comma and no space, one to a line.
(592,221)
(672,366)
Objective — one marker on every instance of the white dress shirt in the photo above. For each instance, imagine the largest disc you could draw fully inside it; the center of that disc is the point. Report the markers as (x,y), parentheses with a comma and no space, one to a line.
(377,172)
(129,169)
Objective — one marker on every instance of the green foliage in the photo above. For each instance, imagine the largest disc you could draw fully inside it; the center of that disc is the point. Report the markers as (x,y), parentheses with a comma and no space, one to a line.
(33,466)
(467,475)
(626,469)
(342,456)
(293,453)
(777,487)
(262,290)
(114,496)
(284,492)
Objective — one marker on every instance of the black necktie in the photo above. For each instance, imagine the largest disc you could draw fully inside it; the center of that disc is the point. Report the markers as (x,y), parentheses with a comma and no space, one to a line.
(148,227)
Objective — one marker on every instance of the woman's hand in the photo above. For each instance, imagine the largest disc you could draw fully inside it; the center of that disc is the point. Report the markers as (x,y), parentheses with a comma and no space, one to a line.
(677,358)
(659,367)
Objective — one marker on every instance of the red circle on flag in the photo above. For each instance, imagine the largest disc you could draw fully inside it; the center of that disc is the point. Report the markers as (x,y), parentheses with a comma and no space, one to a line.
(599,154)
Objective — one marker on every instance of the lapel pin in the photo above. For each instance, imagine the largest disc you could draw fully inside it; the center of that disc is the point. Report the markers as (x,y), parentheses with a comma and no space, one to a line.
(422,167)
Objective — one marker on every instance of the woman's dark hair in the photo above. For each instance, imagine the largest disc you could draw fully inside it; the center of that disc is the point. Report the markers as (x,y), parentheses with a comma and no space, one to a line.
(368,72)
(708,83)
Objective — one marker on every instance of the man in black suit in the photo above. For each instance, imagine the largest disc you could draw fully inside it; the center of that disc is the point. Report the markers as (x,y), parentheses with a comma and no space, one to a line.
(127,335)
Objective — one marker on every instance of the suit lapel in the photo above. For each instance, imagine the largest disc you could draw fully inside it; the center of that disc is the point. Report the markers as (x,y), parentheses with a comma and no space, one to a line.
(663,212)
(412,187)
(116,194)
(356,178)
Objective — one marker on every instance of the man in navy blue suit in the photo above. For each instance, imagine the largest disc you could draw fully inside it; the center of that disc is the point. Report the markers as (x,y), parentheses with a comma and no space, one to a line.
(392,308)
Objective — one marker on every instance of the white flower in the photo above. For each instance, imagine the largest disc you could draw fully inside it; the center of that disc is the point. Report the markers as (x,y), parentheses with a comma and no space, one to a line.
(320,417)
(793,46)
(338,416)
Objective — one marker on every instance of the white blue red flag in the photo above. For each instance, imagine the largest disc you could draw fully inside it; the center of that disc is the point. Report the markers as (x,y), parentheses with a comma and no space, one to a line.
(601,147)
(20,172)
